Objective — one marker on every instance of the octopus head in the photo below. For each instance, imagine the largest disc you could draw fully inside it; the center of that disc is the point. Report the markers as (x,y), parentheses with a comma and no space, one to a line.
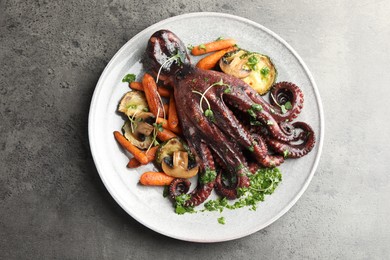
(166,54)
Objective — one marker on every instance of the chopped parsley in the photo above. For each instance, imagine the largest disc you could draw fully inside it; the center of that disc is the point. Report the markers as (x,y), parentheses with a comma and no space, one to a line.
(221,220)
(129,78)
(180,202)
(264,71)
(251,113)
(263,182)
(208,176)
(252,62)
(216,205)
(285,153)
(257,107)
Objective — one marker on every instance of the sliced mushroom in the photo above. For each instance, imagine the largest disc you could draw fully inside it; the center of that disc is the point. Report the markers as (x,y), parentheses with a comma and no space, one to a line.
(179,167)
(233,64)
(140,140)
(144,124)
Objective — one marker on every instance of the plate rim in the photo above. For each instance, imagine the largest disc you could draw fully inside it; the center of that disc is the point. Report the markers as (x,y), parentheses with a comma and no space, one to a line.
(320,141)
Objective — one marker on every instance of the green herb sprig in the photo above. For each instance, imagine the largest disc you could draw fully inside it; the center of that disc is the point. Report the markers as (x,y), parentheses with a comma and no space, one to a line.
(180,207)
(129,78)
(286,106)
(179,58)
(263,182)
(208,112)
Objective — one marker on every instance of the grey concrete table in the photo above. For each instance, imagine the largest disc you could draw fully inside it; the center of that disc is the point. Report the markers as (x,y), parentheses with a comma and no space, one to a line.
(52,202)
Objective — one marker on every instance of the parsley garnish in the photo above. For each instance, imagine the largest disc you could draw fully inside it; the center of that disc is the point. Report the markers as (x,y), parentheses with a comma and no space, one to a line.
(228,90)
(255,122)
(252,62)
(264,71)
(257,107)
(129,78)
(208,176)
(251,113)
(285,153)
(216,205)
(219,38)
(221,220)
(263,182)
(179,204)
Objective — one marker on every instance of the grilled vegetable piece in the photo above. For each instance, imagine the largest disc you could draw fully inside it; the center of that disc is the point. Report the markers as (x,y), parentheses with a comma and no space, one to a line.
(179,168)
(133,102)
(169,147)
(256,69)
(138,139)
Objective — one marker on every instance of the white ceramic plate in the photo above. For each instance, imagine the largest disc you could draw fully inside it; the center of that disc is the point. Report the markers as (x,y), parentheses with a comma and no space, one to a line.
(146,204)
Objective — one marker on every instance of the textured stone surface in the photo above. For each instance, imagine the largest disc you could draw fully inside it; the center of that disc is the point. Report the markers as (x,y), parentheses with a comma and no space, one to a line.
(52,202)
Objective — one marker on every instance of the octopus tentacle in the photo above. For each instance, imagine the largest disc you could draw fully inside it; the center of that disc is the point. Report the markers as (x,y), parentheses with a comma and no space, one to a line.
(239,176)
(228,123)
(267,160)
(245,104)
(227,192)
(296,150)
(178,187)
(281,92)
(202,190)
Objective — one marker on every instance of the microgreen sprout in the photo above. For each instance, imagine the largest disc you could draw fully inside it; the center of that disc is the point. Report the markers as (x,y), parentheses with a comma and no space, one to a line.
(178,58)
(208,112)
(286,106)
(157,128)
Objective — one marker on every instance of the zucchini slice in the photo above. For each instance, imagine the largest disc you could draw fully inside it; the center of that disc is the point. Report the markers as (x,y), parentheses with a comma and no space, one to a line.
(255,69)
(133,102)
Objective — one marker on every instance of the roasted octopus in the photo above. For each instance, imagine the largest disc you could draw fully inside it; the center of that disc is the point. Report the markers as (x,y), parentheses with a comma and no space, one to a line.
(244,131)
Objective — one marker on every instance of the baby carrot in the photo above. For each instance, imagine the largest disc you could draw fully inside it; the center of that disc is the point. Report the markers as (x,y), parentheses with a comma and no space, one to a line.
(137,153)
(212,46)
(173,121)
(152,96)
(151,154)
(155,179)
(166,108)
(136,86)
(164,124)
(211,60)
(165,135)
(133,163)
(164,92)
